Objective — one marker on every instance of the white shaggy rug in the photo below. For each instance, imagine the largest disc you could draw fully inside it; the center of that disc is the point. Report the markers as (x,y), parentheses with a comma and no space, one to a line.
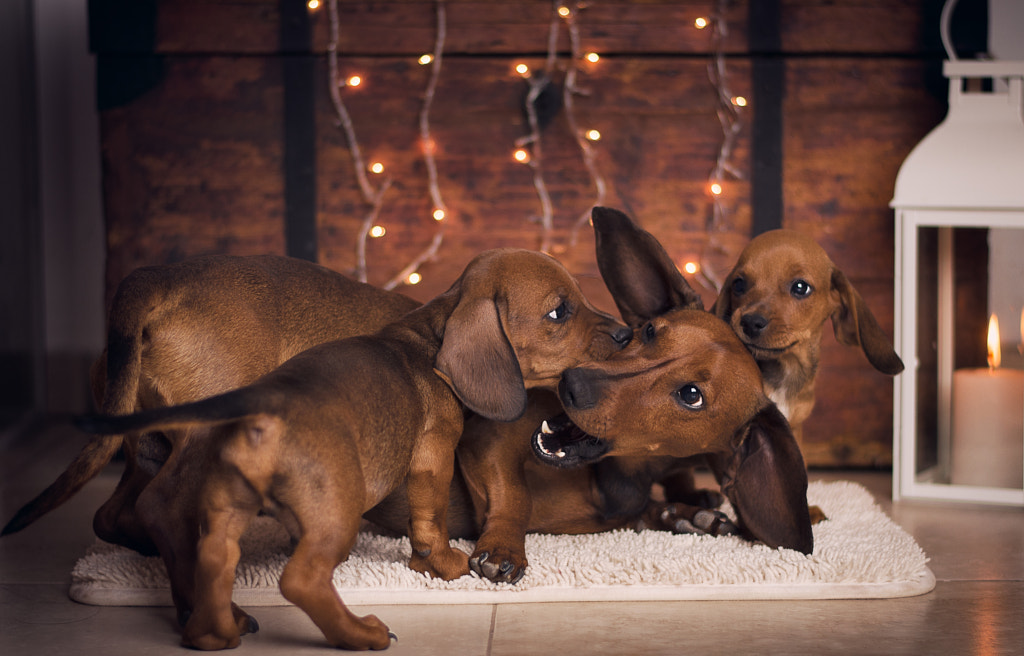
(859,553)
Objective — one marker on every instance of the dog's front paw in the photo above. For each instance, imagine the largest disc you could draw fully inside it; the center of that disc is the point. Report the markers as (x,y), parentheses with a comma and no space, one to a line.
(681,518)
(447,564)
(498,564)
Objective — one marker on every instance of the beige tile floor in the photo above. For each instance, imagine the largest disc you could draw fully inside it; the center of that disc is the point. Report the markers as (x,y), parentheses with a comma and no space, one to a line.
(977,607)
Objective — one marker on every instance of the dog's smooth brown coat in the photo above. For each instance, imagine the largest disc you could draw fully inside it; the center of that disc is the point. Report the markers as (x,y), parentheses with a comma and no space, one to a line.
(182,332)
(335,429)
(630,405)
(777,298)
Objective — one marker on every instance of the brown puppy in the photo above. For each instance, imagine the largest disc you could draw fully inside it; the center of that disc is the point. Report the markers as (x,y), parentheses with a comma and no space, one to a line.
(332,431)
(777,299)
(561,481)
(182,332)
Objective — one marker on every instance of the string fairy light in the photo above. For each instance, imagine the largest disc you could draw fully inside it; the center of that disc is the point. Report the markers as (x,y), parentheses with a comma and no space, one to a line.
(533,156)
(584,138)
(728,112)
(540,83)
(410,275)
(372,195)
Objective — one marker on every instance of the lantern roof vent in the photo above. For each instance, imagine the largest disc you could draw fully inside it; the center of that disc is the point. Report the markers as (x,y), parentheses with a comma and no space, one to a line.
(974,159)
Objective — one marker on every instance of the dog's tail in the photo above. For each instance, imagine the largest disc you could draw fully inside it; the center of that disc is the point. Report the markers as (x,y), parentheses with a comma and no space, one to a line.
(115,381)
(219,409)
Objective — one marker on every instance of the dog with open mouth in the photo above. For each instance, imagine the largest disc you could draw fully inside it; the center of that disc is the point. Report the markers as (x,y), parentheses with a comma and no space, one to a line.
(685,391)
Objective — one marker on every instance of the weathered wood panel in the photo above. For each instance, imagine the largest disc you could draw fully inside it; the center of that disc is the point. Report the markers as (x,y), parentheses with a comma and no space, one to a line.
(194,166)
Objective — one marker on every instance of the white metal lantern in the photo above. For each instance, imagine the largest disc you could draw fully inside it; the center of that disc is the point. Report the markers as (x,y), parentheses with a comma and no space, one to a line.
(967,173)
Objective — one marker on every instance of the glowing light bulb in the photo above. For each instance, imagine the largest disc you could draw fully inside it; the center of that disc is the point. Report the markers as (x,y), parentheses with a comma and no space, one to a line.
(521,155)
(716,188)
(739,101)
(313,5)
(377,231)
(438,214)
(691,268)
(354,81)
(700,23)
(523,70)
(426,59)
(414,278)
(376,167)
(593,135)
(593,57)
(564,11)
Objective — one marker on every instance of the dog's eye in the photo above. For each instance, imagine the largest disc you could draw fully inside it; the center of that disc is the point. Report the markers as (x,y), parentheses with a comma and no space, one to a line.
(647,333)
(800,289)
(739,286)
(690,396)
(560,313)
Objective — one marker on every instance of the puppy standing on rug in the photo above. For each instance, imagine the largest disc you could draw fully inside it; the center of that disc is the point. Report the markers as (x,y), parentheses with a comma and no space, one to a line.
(777,299)
(331,432)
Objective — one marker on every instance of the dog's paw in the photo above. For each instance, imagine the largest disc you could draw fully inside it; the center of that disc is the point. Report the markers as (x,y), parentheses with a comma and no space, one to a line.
(360,634)
(447,564)
(681,518)
(499,565)
(246,623)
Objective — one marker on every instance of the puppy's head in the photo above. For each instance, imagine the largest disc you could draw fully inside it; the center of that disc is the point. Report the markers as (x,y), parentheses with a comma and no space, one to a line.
(520,320)
(783,289)
(681,388)
(686,386)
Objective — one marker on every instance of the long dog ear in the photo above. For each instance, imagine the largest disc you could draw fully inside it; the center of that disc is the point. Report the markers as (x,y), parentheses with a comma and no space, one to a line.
(640,275)
(766,481)
(723,304)
(855,325)
(478,362)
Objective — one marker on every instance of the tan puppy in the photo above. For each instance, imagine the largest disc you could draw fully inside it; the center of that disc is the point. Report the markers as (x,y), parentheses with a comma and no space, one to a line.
(777,299)
(332,431)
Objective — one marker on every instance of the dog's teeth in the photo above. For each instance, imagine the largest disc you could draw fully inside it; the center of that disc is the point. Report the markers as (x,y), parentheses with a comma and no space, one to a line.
(544,428)
(560,454)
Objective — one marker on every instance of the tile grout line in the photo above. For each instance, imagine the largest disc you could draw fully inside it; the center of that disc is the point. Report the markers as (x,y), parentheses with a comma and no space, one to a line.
(490,634)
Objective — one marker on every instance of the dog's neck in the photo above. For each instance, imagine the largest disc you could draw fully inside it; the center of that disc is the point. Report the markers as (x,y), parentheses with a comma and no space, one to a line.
(789,379)
(424,326)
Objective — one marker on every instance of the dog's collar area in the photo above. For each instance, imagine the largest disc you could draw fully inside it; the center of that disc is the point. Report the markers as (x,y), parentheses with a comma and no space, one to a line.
(560,443)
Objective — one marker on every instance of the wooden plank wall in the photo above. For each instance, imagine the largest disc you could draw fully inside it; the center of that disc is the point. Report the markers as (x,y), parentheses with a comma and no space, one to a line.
(192,122)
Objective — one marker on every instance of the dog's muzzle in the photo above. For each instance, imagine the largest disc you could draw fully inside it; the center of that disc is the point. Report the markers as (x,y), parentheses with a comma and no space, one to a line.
(560,443)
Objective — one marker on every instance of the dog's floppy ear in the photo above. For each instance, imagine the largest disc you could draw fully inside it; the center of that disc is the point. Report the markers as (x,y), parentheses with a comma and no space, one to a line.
(640,275)
(766,481)
(478,362)
(723,304)
(855,325)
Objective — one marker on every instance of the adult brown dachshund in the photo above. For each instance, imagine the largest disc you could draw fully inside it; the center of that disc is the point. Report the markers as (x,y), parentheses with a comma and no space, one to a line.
(327,435)
(777,299)
(683,393)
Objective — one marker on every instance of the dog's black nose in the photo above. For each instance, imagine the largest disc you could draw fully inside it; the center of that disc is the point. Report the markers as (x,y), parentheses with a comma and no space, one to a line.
(576,390)
(753,324)
(623,335)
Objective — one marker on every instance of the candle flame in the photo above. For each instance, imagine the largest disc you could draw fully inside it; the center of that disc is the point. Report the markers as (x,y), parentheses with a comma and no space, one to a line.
(994,355)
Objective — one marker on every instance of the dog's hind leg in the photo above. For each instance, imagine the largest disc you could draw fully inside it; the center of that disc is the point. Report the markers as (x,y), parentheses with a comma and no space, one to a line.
(215,622)
(307,581)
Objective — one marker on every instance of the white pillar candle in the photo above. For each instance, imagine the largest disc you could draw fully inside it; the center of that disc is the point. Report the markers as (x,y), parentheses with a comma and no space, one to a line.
(988,428)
